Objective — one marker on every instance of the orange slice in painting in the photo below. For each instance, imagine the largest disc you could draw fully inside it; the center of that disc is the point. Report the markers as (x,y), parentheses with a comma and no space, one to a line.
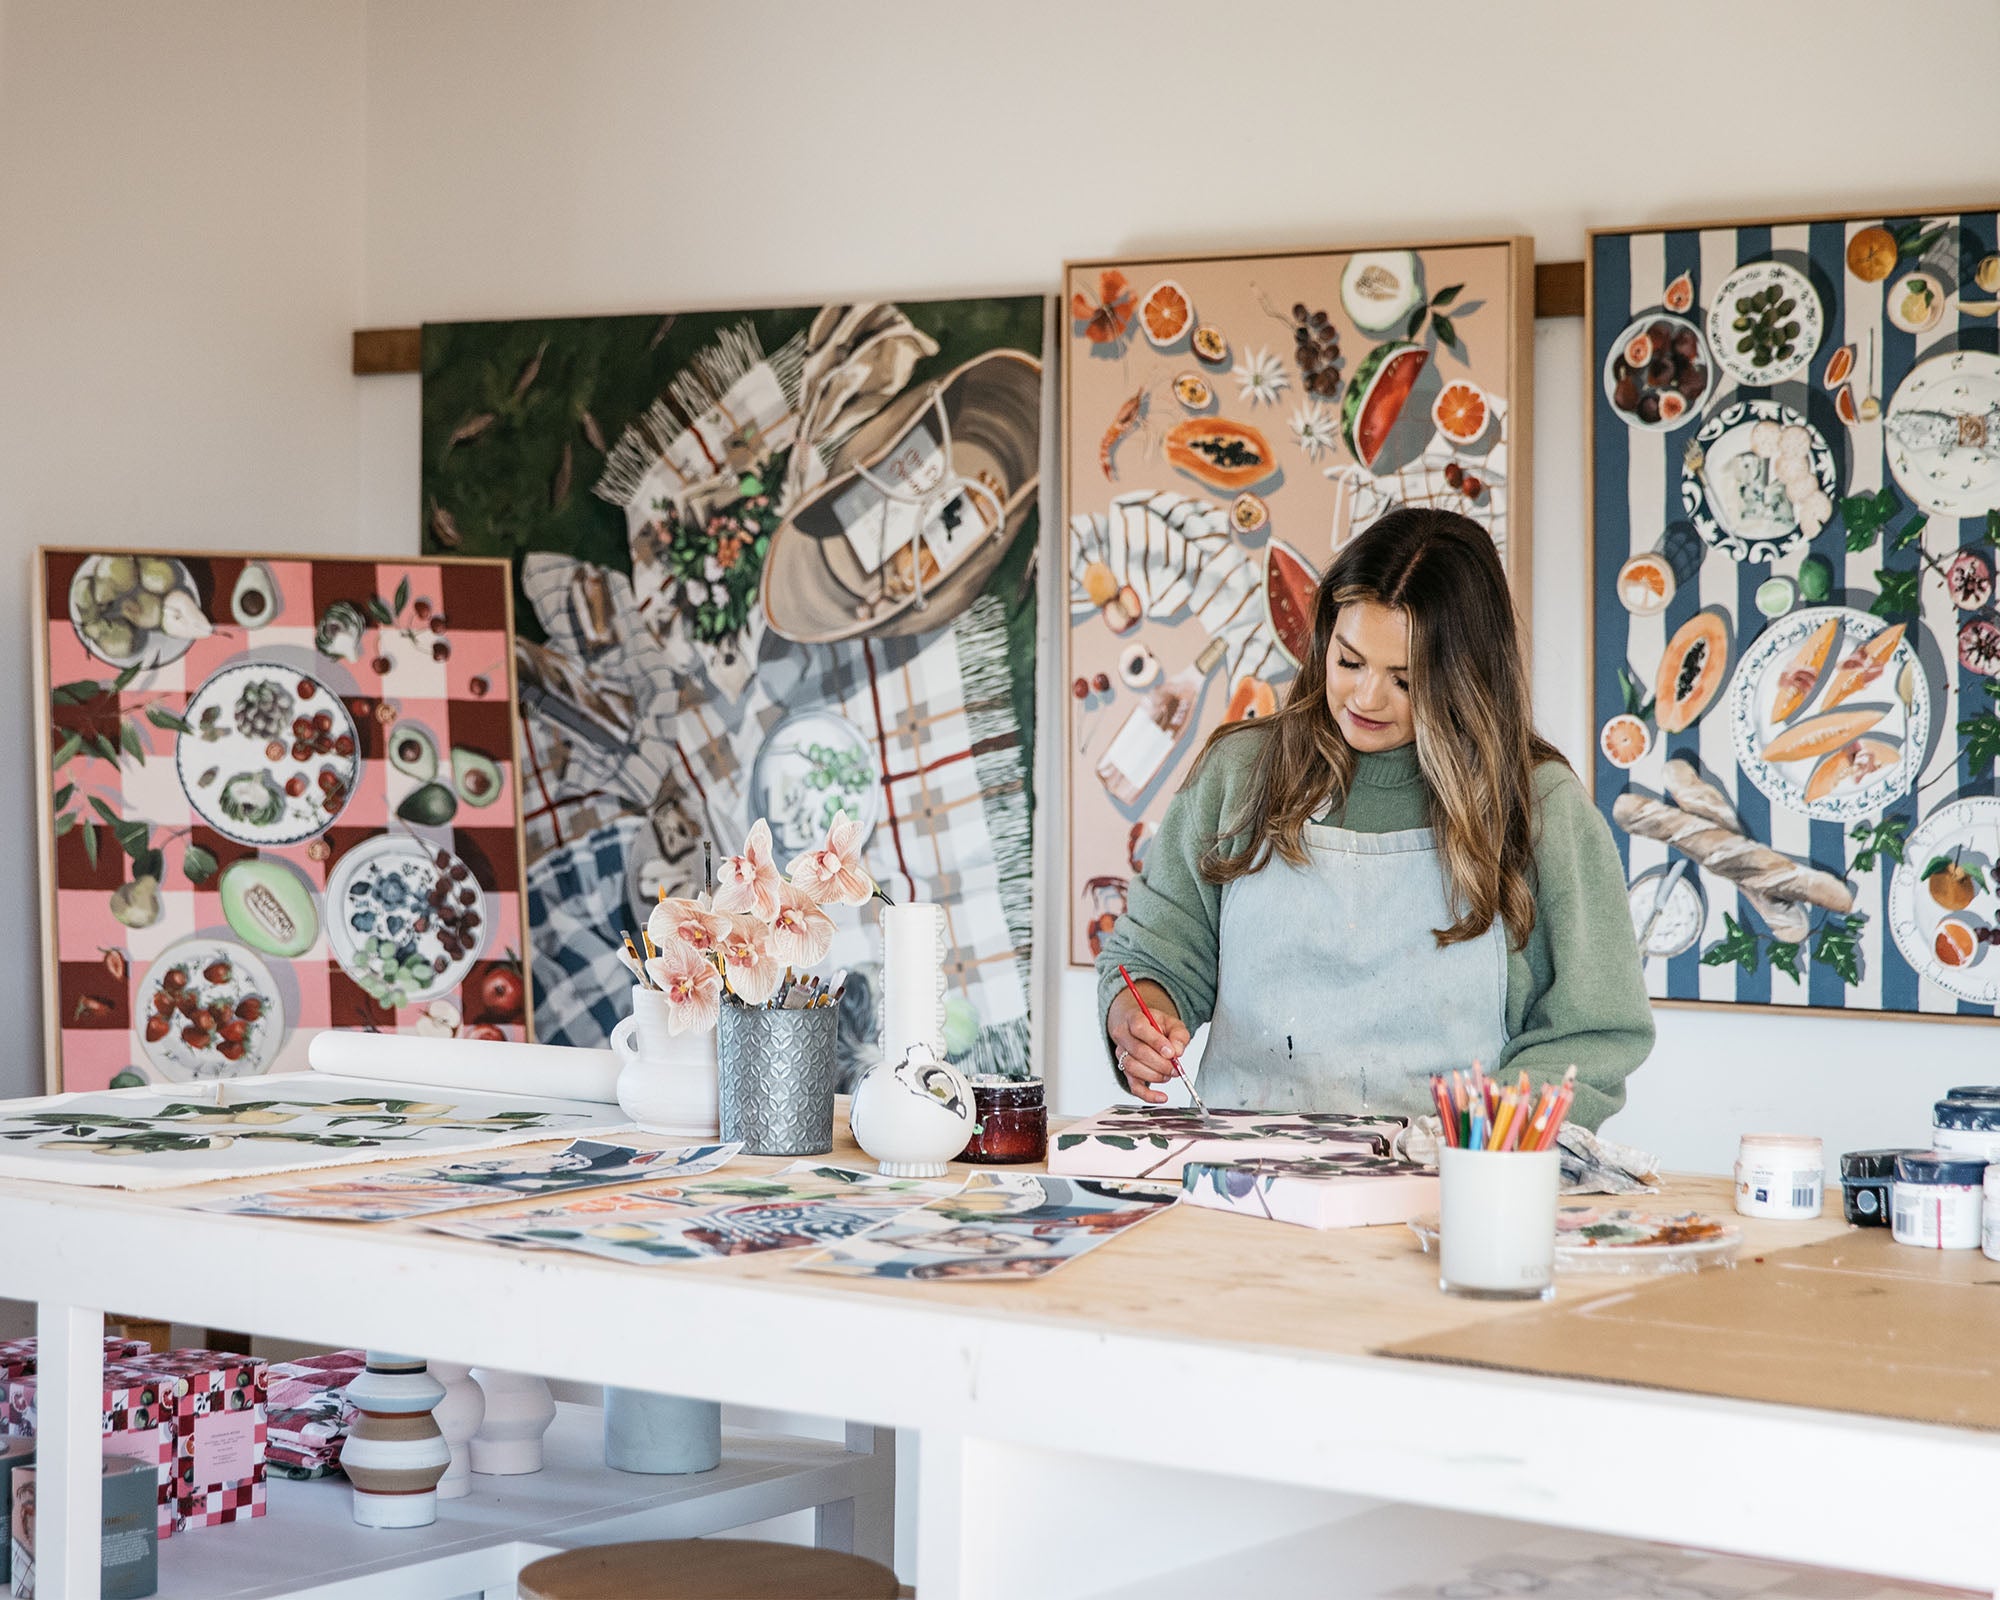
(1165,312)
(1460,411)
(1956,945)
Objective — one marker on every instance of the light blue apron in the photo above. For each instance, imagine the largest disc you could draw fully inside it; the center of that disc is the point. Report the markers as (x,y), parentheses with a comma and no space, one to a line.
(1332,994)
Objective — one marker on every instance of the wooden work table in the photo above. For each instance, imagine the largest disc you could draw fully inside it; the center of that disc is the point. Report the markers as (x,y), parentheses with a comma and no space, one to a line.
(1215,1376)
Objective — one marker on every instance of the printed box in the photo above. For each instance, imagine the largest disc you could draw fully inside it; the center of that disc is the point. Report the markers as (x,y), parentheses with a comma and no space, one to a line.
(214,1403)
(1332,1191)
(136,1424)
(1157,1141)
(17,1360)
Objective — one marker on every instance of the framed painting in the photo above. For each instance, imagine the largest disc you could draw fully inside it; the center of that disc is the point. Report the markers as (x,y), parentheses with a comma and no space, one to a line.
(1794,523)
(279,796)
(775,563)
(1229,422)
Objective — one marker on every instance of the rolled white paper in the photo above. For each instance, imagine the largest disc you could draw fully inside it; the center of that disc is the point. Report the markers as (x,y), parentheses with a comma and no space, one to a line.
(912,979)
(549,1071)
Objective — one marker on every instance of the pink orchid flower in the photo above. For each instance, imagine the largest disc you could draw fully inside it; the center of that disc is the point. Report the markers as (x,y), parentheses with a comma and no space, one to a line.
(749,882)
(833,874)
(691,985)
(689,921)
(801,932)
(748,966)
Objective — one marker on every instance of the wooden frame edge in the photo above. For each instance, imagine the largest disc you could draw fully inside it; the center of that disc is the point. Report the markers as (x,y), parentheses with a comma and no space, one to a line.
(45,854)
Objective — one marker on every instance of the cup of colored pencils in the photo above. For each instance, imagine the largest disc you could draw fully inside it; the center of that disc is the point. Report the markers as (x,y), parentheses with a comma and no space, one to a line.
(1499,1172)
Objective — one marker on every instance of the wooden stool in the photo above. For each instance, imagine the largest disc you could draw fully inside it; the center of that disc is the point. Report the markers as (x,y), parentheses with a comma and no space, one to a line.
(705,1569)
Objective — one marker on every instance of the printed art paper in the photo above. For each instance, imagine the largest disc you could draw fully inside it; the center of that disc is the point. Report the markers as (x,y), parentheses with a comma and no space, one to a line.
(1000,1225)
(583,1164)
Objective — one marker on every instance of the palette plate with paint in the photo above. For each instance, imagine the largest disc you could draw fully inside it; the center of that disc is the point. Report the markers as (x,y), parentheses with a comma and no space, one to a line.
(1615,1240)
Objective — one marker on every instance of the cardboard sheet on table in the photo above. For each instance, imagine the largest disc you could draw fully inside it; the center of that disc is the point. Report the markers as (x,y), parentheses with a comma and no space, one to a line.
(1855,1323)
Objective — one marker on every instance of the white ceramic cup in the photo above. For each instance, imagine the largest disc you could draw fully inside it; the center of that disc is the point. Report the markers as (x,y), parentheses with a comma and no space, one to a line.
(1497,1223)
(666,1082)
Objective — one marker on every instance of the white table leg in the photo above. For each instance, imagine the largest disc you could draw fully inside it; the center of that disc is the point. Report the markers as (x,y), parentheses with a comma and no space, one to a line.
(69,1450)
(866,1524)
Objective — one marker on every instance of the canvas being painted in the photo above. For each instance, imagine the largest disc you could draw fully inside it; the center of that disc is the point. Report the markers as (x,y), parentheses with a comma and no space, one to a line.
(1230,422)
(157,1138)
(1158,1141)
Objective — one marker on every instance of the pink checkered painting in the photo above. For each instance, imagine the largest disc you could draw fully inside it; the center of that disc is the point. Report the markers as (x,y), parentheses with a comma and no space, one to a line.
(282,797)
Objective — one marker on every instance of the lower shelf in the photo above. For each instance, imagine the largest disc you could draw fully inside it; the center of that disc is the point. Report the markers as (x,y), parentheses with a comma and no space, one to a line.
(307,1546)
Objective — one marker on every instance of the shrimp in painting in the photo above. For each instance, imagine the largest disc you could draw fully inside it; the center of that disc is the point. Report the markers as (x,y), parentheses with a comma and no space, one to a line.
(1129,416)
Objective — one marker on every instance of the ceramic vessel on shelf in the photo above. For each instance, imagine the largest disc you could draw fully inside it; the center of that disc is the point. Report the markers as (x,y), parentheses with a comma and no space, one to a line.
(458,1415)
(666,1081)
(519,1409)
(645,1432)
(912,1115)
(395,1452)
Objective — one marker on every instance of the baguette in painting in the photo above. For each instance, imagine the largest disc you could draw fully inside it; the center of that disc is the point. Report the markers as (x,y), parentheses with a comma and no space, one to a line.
(1753,866)
(1694,794)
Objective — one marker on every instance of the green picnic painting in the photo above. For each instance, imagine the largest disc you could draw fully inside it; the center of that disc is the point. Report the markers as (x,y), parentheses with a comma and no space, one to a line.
(774,563)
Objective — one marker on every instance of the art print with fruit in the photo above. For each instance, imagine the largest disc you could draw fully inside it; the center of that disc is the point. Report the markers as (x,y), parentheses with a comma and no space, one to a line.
(1795,521)
(1229,423)
(280,797)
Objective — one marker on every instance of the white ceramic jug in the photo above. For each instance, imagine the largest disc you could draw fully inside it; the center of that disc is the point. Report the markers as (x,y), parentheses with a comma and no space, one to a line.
(912,1115)
(458,1415)
(666,1082)
(519,1409)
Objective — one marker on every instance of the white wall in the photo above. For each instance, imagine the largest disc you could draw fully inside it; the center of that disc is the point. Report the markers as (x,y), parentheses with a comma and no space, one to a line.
(187,234)
(180,268)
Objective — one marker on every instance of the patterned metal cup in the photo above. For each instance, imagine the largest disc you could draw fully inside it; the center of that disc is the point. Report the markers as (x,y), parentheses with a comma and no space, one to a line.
(776,1074)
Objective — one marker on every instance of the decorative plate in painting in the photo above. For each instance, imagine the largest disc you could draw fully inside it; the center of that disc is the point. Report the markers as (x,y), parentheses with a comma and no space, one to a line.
(1764,323)
(1830,712)
(1677,365)
(1758,481)
(406,919)
(269,754)
(1942,434)
(209,1008)
(1944,900)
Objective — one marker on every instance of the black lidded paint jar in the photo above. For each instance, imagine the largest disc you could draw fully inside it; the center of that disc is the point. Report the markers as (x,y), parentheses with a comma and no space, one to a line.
(1866,1177)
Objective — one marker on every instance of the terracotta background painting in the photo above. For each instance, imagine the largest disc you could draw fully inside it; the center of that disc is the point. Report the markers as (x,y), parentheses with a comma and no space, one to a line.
(773,563)
(281,798)
(1228,423)
(1795,507)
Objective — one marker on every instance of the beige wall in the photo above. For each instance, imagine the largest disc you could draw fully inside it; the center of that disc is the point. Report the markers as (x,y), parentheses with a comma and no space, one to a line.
(607,155)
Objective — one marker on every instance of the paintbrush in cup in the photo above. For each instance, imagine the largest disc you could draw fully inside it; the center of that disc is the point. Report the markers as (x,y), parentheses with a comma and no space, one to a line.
(1146,1012)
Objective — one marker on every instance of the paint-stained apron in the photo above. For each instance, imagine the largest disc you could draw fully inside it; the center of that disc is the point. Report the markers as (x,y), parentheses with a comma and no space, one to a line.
(1332,994)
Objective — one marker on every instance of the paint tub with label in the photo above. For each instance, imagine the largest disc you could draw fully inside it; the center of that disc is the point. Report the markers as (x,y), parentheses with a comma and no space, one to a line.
(1974,1091)
(1968,1129)
(1938,1201)
(1781,1176)
(1989,1225)
(1866,1177)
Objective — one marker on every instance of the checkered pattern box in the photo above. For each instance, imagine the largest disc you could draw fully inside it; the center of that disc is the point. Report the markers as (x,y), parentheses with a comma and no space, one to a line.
(214,1403)
(136,1424)
(17,1360)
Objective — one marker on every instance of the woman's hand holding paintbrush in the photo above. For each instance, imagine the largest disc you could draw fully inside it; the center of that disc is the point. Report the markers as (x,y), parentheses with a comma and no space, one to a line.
(1149,1046)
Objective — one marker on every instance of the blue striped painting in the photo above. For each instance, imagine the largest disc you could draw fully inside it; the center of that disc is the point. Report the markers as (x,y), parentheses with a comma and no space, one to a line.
(1795,529)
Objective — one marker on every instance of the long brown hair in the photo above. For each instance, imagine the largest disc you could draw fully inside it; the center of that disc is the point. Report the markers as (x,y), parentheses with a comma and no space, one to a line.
(1475,732)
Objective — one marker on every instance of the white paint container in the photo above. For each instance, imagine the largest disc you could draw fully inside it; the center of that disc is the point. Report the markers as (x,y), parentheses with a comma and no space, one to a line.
(1938,1202)
(1990,1216)
(1966,1128)
(1781,1176)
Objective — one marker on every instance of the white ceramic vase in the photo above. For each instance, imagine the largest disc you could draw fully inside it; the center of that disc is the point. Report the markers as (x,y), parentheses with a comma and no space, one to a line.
(912,1115)
(646,1432)
(666,1081)
(519,1409)
(458,1415)
(395,1452)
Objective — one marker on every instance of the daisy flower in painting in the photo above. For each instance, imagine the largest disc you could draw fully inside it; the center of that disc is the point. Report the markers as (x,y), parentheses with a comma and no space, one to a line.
(749,882)
(833,874)
(801,932)
(1314,429)
(691,986)
(1260,377)
(749,967)
(691,922)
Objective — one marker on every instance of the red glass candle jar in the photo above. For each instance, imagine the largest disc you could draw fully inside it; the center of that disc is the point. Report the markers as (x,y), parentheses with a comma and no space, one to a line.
(1013,1121)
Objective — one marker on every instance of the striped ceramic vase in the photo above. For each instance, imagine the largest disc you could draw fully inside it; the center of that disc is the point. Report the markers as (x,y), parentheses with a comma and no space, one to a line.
(395,1451)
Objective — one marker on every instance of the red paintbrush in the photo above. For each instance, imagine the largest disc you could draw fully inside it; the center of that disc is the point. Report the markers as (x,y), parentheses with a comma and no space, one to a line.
(1153,1023)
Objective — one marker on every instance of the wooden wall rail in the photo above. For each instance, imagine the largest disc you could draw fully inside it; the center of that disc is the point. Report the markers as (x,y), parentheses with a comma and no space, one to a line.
(1558,293)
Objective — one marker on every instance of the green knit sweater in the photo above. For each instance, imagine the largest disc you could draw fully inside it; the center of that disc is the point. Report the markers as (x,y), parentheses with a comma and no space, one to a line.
(1575,991)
